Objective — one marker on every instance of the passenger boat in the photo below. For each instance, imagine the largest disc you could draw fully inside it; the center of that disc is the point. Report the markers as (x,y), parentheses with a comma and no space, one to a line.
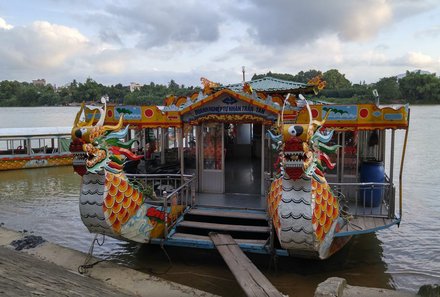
(22,148)
(281,174)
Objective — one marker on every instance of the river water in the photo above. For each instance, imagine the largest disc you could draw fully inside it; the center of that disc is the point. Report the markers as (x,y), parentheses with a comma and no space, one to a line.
(45,201)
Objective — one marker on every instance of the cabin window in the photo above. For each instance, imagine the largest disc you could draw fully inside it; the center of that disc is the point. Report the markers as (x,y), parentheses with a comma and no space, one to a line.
(372,144)
(350,153)
(346,157)
(212,146)
(151,143)
(13,147)
(189,143)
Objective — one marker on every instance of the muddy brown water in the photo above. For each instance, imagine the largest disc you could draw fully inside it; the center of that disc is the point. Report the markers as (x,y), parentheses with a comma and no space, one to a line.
(45,201)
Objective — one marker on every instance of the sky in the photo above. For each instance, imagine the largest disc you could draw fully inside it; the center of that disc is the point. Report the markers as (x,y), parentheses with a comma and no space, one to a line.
(147,41)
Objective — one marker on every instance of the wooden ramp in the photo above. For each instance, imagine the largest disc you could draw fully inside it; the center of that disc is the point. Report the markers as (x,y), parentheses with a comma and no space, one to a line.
(251,280)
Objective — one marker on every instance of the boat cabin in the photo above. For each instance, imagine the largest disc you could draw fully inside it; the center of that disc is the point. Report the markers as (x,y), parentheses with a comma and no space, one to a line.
(34,147)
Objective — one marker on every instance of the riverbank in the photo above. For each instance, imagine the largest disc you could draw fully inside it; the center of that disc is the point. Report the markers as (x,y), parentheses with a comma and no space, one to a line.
(44,268)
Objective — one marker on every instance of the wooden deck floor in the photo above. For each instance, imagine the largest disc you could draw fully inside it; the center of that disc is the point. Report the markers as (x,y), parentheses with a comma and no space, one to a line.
(232,200)
(366,219)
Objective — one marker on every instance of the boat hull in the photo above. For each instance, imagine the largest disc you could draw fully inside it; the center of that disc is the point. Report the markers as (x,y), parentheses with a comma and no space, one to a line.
(13,163)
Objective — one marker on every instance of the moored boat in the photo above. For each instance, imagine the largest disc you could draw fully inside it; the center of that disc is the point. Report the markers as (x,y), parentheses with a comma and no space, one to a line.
(280,174)
(22,148)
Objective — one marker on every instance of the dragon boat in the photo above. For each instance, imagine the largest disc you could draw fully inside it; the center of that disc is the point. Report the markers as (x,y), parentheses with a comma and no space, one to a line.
(280,173)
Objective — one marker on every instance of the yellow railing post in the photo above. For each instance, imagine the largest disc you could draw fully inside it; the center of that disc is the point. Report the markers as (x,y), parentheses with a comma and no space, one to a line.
(401,167)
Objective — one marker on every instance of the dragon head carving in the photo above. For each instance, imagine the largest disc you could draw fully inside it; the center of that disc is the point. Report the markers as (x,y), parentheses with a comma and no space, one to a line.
(303,149)
(98,147)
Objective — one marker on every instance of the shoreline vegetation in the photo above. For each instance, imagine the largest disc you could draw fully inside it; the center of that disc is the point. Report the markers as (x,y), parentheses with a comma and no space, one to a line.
(413,87)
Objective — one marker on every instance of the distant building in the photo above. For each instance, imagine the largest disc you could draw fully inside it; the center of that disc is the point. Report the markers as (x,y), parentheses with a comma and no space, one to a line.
(39,82)
(135,86)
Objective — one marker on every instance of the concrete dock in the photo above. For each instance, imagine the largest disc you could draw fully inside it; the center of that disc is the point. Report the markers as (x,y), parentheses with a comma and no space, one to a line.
(24,275)
(338,287)
(51,270)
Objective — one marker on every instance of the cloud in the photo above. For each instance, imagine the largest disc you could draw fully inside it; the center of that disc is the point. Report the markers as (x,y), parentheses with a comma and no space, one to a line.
(420,60)
(145,40)
(432,32)
(40,45)
(109,36)
(42,49)
(158,23)
(294,21)
(4,25)
(406,8)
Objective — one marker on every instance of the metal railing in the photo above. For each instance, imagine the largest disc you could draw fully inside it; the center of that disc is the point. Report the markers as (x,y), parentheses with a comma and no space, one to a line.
(166,190)
(367,199)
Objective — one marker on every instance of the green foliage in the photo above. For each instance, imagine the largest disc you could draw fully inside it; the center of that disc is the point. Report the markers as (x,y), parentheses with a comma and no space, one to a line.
(388,88)
(413,88)
(302,77)
(420,88)
(336,80)
(14,93)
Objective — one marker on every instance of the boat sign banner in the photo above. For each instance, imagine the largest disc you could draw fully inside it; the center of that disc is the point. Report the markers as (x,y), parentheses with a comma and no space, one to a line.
(228,106)
(130,112)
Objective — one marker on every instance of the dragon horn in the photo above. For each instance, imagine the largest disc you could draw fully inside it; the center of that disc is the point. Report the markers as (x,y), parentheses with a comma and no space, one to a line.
(78,115)
(90,123)
(310,113)
(102,113)
(326,116)
(116,127)
(321,123)
(101,118)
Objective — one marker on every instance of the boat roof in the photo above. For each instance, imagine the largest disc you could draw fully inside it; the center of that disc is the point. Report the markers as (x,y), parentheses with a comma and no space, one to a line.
(262,100)
(268,84)
(34,131)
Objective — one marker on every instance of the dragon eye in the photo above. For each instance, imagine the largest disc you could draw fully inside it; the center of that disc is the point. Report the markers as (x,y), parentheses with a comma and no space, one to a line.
(295,130)
(78,133)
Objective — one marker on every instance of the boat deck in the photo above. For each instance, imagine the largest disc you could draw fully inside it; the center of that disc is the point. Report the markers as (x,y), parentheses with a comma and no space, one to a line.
(245,218)
(366,219)
(232,200)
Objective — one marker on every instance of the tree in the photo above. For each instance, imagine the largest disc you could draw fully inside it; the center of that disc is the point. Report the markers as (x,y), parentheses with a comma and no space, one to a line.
(283,76)
(420,88)
(304,77)
(336,80)
(8,92)
(388,88)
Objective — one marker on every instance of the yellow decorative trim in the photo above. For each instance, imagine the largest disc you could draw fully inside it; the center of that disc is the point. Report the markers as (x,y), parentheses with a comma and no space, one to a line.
(226,118)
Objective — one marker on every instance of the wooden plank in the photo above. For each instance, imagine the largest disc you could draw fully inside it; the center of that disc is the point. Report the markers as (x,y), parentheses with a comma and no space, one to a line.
(228,214)
(206,238)
(224,227)
(250,279)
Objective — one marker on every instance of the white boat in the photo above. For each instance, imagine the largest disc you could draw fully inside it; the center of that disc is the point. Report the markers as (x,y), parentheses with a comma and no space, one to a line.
(22,148)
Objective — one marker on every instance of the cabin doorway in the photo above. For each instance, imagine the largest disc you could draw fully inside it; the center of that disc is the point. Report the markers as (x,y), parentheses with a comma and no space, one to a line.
(230,158)
(242,143)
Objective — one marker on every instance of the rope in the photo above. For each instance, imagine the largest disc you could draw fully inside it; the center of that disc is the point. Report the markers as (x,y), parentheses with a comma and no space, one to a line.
(170,263)
(82,269)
